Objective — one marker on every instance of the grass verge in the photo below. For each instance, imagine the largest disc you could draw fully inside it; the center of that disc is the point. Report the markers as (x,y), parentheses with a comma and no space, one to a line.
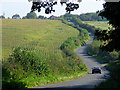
(39,81)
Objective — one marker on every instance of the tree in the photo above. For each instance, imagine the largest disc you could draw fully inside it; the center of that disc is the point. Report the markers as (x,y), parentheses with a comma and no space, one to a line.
(41,17)
(24,17)
(2,16)
(111,37)
(31,15)
(48,5)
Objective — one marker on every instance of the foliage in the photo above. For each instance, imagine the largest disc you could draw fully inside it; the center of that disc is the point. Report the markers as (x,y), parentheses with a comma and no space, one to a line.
(73,60)
(2,16)
(110,36)
(114,55)
(111,43)
(78,23)
(22,61)
(91,17)
(41,17)
(73,42)
(48,5)
(38,60)
(111,14)
(115,74)
(30,15)
(12,84)
(94,48)
(103,56)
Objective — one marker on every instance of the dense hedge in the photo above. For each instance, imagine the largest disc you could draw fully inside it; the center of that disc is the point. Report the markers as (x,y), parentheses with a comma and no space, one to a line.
(91,17)
(72,43)
(103,56)
(78,23)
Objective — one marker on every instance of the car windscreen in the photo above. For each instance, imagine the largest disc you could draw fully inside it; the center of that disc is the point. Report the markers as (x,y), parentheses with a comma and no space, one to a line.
(96,67)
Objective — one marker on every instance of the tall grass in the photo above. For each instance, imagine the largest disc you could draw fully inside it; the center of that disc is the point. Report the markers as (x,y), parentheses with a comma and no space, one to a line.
(43,36)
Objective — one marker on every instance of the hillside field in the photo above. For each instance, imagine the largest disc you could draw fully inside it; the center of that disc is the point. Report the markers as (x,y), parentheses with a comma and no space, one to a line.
(42,36)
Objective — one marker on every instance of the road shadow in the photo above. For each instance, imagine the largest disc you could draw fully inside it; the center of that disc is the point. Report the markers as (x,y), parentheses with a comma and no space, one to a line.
(62,88)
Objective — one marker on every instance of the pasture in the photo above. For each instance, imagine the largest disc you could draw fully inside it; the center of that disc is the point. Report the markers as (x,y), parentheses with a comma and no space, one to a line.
(98,24)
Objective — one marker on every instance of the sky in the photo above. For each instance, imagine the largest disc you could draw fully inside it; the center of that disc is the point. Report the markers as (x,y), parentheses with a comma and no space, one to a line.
(10,7)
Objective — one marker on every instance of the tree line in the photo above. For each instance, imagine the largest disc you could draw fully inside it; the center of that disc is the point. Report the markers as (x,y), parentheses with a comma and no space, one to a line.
(30,15)
(91,17)
(83,17)
(33,15)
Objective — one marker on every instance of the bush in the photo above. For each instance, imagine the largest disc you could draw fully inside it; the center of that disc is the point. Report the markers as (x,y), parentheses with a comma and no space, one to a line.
(12,85)
(9,81)
(114,55)
(21,62)
(94,48)
(70,43)
(105,57)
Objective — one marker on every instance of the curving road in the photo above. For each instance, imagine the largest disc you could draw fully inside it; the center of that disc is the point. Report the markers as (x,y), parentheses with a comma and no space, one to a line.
(88,81)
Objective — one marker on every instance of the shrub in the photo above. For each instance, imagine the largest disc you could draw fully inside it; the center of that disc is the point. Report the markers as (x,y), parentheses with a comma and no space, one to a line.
(94,47)
(12,85)
(21,62)
(114,55)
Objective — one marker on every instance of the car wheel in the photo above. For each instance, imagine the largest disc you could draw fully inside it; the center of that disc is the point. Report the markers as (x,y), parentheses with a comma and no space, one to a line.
(100,72)
(92,72)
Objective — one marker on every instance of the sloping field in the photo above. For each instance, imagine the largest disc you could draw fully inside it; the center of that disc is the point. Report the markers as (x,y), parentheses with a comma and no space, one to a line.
(42,36)
(39,60)
(98,24)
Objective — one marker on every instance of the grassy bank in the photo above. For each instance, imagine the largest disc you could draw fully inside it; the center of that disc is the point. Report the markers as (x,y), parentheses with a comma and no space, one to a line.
(39,81)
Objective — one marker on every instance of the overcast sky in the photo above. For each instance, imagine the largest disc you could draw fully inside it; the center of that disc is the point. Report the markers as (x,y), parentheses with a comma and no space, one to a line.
(22,7)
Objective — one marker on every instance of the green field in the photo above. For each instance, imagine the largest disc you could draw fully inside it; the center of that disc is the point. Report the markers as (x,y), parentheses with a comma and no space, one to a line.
(98,24)
(42,36)
(43,62)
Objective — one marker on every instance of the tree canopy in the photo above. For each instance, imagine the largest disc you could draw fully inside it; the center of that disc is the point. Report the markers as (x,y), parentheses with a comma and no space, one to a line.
(111,36)
(2,16)
(31,15)
(48,5)
(91,17)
